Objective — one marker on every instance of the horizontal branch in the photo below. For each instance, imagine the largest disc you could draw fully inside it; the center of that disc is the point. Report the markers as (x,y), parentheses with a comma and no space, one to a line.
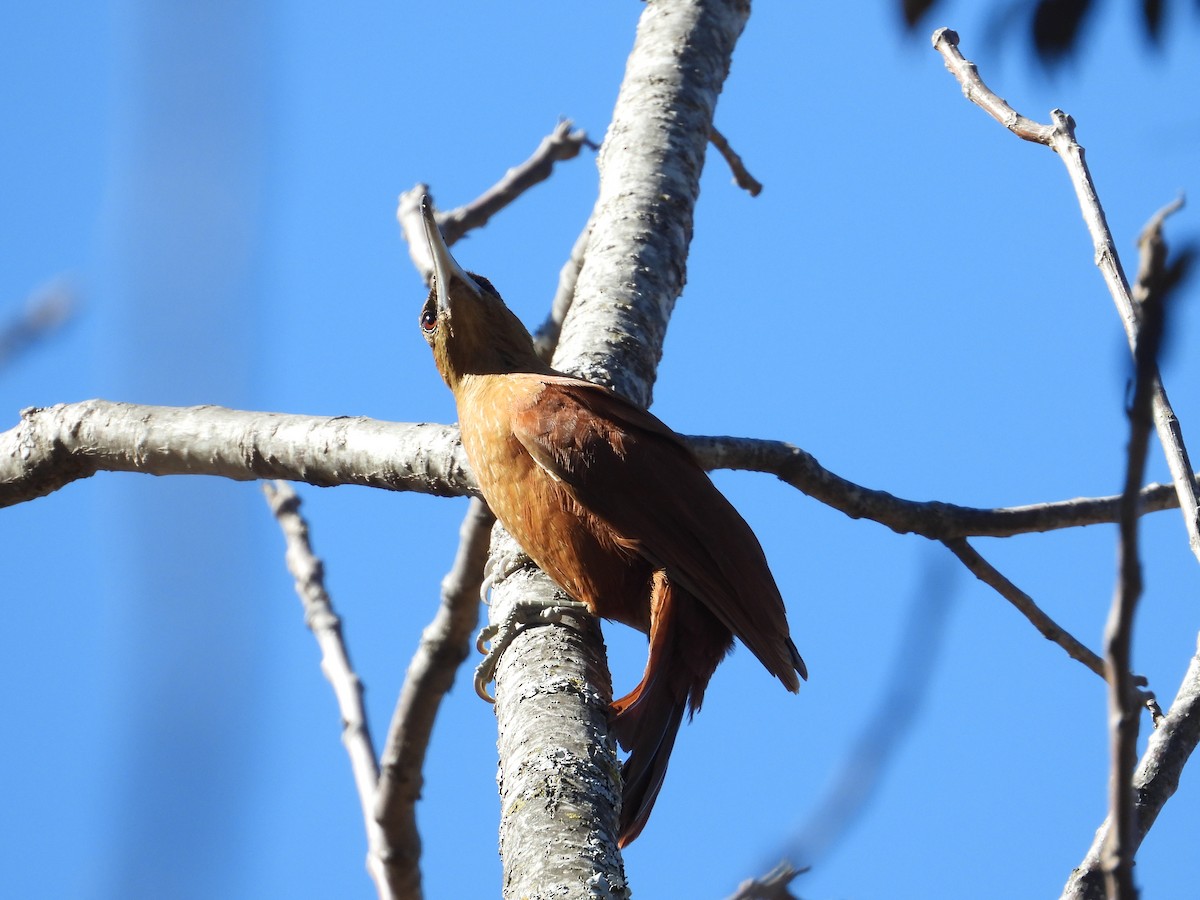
(933,519)
(56,445)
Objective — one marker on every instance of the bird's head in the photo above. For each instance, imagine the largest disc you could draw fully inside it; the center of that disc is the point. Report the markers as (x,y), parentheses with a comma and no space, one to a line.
(464,321)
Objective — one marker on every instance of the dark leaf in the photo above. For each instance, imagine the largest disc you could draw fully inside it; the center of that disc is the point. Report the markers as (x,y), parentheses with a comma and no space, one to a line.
(1152,11)
(915,10)
(1056,26)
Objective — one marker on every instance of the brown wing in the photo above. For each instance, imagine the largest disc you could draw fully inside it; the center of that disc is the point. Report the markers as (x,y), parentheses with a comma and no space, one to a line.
(636,475)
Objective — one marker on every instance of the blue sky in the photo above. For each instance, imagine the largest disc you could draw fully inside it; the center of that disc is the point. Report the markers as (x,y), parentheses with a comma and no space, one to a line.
(912,299)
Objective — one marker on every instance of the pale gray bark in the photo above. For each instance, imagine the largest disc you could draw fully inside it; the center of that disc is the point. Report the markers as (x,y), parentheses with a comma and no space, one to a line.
(558,767)
(650,164)
(558,836)
(53,446)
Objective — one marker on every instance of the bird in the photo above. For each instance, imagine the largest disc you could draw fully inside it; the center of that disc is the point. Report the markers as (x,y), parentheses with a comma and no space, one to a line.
(610,503)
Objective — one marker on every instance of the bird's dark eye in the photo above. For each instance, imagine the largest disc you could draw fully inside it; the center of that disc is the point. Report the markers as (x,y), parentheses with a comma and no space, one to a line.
(429,321)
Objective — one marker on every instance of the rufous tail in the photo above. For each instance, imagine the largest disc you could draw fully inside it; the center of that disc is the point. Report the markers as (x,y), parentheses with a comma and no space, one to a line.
(686,644)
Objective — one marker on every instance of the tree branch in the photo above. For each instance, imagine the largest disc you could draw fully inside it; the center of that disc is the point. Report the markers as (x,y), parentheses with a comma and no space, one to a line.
(1051,630)
(56,445)
(326,627)
(561,144)
(650,165)
(559,781)
(741,177)
(1060,137)
(1155,780)
(445,643)
(1117,855)
(933,519)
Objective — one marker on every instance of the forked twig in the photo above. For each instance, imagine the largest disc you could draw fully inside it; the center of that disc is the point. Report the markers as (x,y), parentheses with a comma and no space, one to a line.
(1060,137)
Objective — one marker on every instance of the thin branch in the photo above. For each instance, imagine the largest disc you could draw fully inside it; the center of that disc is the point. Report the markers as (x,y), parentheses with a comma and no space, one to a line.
(741,177)
(1153,279)
(1060,137)
(1051,630)
(933,519)
(320,618)
(561,144)
(546,337)
(1118,852)
(445,643)
(1168,749)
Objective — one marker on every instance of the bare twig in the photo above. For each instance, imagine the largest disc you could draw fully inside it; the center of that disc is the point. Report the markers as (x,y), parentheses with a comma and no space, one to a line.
(319,616)
(1051,630)
(1118,852)
(1060,137)
(561,144)
(741,177)
(1152,277)
(546,337)
(1156,779)
(933,519)
(445,643)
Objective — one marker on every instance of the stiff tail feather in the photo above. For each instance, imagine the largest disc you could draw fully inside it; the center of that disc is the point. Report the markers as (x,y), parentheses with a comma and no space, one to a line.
(645,724)
(686,644)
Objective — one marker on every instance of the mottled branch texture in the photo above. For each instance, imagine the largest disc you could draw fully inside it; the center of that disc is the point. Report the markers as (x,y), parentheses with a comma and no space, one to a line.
(650,164)
(633,270)
(54,446)
(323,622)
(51,447)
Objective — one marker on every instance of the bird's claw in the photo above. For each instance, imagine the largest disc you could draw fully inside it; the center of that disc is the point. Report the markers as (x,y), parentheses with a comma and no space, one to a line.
(497,568)
(523,613)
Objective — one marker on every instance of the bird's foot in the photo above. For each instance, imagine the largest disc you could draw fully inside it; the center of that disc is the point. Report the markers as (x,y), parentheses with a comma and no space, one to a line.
(523,613)
(499,566)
